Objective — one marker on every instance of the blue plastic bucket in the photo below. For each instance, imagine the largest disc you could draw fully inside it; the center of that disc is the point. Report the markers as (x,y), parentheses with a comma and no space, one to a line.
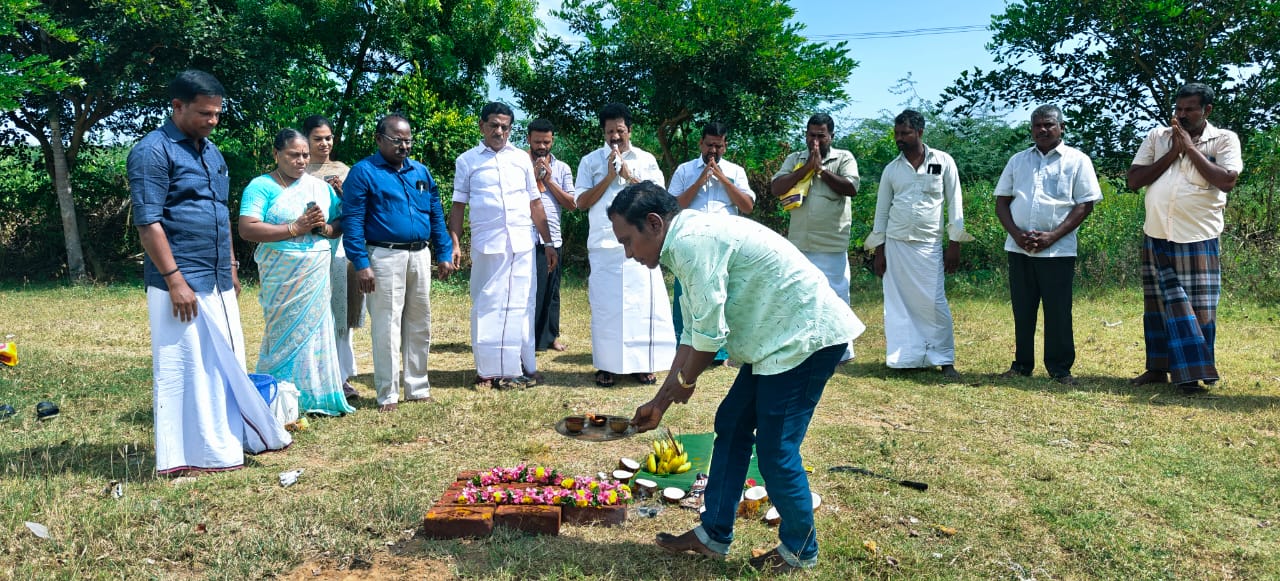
(266,386)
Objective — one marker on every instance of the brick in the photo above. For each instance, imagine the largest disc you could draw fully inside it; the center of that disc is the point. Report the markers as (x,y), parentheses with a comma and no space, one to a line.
(534,519)
(594,515)
(469,474)
(457,522)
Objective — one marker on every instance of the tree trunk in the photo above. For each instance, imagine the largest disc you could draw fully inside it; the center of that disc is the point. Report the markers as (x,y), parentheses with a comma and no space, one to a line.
(66,203)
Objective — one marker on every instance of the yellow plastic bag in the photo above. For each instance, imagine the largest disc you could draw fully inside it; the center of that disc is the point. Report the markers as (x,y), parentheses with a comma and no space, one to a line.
(794,198)
(9,354)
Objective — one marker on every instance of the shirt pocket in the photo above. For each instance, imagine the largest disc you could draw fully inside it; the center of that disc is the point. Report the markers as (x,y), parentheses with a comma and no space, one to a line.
(930,183)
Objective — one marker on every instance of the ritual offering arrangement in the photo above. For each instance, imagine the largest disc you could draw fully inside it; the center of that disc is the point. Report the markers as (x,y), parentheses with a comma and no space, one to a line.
(596,428)
(528,498)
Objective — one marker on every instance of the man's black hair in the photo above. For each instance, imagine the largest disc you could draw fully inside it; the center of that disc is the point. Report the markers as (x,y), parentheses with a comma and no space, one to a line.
(496,108)
(910,118)
(542,125)
(637,201)
(824,119)
(615,111)
(193,83)
(1196,90)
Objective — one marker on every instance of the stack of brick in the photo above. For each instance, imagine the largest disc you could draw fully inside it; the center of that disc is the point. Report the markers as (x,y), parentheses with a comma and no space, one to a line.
(450,519)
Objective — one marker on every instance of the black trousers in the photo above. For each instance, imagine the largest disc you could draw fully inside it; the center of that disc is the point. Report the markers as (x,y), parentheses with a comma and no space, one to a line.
(1047,281)
(546,323)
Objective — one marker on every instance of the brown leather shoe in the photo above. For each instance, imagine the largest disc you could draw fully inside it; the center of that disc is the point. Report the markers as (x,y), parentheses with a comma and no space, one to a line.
(687,542)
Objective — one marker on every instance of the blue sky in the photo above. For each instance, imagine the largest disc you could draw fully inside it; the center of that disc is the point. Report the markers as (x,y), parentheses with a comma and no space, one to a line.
(932,60)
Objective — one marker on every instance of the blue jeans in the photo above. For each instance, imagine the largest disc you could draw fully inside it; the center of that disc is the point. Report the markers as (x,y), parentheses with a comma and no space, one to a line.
(772,412)
(677,317)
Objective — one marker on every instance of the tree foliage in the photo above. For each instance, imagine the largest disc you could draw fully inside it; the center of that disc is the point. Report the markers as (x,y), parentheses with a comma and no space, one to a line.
(1115,65)
(677,63)
(279,60)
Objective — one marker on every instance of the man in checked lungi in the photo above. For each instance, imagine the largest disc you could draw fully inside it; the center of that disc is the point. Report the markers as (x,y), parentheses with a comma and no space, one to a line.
(1188,169)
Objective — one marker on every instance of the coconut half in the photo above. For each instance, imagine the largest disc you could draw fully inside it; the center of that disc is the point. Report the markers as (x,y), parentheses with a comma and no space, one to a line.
(672,494)
(629,465)
(771,517)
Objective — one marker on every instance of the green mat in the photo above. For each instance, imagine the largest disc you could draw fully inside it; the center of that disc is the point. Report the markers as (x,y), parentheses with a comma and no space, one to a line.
(698,446)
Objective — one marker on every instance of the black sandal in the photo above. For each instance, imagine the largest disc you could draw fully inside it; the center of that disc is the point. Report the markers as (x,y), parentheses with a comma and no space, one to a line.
(604,378)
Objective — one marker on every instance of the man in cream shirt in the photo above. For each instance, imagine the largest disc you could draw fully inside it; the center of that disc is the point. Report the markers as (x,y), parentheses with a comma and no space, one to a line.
(1188,169)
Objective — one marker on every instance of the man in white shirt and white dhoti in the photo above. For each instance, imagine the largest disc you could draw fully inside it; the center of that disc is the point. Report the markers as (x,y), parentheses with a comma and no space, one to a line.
(631,329)
(496,180)
(907,241)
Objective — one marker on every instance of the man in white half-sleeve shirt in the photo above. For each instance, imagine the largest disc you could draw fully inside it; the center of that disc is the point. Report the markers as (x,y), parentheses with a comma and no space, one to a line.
(631,330)
(711,184)
(496,180)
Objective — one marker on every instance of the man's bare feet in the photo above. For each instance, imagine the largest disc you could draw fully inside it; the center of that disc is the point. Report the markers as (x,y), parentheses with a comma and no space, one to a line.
(1150,377)
(558,346)
(389,407)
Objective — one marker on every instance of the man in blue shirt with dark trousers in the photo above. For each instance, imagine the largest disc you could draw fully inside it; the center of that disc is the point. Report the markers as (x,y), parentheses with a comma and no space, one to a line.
(391,213)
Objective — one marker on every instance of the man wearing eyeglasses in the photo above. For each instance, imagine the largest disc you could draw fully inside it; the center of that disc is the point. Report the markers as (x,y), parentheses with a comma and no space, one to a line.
(496,180)
(391,214)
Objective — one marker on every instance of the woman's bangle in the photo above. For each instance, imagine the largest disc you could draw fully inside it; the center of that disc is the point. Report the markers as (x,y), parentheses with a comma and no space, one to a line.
(292,233)
(235,264)
(167,274)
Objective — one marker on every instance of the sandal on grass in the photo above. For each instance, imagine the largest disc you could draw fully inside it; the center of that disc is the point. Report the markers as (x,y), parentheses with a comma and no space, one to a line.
(604,378)
(645,378)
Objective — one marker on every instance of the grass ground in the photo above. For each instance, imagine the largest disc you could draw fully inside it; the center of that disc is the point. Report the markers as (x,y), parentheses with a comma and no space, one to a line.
(1038,480)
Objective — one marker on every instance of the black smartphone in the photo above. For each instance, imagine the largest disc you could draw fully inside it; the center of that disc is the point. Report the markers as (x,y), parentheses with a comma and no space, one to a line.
(318,230)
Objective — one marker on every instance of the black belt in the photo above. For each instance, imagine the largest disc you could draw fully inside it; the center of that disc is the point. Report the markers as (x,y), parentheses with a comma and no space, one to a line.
(410,246)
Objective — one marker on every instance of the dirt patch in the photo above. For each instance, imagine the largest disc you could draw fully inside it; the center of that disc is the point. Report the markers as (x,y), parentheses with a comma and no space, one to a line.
(383,566)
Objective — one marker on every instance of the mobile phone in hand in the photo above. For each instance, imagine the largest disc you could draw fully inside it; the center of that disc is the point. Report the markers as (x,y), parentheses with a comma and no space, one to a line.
(318,230)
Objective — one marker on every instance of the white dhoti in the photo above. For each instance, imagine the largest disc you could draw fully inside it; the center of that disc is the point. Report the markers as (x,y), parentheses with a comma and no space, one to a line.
(917,319)
(501,336)
(835,266)
(208,412)
(631,329)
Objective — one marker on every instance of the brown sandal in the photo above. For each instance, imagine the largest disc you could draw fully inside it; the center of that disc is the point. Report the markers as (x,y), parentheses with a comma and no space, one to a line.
(604,378)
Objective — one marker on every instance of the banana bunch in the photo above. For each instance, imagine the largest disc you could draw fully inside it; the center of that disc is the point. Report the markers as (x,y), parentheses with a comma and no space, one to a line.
(668,457)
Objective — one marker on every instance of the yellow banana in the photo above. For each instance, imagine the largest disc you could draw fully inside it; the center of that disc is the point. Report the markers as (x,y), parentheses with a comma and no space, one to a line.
(650,464)
(681,469)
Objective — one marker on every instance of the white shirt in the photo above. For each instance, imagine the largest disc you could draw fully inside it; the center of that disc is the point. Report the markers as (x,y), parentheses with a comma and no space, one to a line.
(498,185)
(712,197)
(909,201)
(1044,188)
(592,169)
(1182,206)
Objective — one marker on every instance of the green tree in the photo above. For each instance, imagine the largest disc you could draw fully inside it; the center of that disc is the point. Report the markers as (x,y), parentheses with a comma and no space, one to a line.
(1115,65)
(348,61)
(680,62)
(125,51)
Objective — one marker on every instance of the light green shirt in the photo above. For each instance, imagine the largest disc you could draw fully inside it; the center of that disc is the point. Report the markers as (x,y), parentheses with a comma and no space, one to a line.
(750,291)
(822,223)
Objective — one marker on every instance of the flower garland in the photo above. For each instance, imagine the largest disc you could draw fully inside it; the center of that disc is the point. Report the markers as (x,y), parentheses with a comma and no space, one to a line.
(578,491)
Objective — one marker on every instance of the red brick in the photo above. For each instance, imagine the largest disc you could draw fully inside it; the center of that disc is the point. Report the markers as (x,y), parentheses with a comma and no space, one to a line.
(594,515)
(469,474)
(457,522)
(530,518)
